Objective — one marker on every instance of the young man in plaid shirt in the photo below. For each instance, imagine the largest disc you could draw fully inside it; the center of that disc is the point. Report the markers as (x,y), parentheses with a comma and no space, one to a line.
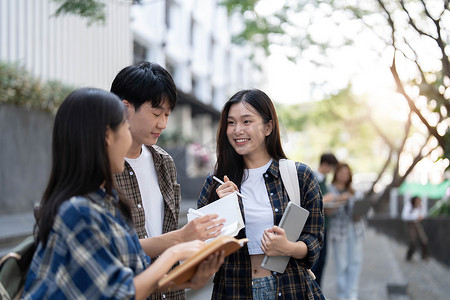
(150,179)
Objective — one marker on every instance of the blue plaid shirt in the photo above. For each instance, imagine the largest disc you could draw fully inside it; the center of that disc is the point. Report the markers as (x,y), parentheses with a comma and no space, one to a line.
(234,279)
(91,253)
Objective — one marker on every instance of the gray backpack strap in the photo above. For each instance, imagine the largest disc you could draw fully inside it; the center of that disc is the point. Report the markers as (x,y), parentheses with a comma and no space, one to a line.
(289,176)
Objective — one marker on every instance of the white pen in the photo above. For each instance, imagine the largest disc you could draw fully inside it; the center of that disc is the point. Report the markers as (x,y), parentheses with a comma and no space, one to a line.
(221,182)
(195,212)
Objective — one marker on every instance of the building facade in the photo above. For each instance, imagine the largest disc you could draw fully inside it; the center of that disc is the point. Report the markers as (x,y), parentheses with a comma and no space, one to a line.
(65,48)
(190,38)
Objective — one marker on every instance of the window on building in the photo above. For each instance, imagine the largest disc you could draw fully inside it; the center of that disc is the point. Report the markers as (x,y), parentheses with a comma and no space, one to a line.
(167,13)
(194,85)
(192,32)
(212,49)
(170,67)
(139,52)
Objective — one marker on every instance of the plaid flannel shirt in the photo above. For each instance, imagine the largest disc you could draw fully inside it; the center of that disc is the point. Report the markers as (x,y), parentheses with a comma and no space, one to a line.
(91,253)
(170,190)
(234,279)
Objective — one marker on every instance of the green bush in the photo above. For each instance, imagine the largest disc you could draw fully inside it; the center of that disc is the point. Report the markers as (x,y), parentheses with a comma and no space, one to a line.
(20,88)
(440,208)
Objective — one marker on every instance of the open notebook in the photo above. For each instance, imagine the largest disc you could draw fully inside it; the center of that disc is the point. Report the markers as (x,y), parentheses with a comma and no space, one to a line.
(227,208)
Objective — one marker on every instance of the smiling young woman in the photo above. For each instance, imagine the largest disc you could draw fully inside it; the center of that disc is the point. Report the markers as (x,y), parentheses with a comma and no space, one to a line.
(248,151)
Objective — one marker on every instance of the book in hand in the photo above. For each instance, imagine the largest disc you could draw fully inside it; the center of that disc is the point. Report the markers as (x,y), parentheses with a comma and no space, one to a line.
(187,269)
(361,207)
(292,221)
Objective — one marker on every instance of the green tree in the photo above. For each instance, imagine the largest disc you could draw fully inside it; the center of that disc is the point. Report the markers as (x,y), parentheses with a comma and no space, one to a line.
(92,10)
(414,31)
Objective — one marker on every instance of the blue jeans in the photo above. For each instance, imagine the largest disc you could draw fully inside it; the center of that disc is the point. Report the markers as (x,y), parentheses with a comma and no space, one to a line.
(264,288)
(348,252)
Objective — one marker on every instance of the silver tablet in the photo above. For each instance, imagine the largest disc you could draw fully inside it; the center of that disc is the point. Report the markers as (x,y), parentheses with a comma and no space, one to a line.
(293,220)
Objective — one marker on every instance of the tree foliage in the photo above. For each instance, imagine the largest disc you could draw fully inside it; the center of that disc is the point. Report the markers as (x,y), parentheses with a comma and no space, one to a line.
(92,10)
(415,33)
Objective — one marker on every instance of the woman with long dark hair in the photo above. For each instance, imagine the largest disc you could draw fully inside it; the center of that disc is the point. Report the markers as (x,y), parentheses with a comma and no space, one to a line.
(346,233)
(248,151)
(87,246)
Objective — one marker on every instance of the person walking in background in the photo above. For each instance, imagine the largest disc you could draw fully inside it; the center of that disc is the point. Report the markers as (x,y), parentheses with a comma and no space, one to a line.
(149,178)
(346,233)
(412,214)
(87,246)
(327,164)
(248,151)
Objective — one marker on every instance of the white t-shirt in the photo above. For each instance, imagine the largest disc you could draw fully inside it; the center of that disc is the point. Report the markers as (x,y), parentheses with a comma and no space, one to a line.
(410,213)
(151,196)
(257,208)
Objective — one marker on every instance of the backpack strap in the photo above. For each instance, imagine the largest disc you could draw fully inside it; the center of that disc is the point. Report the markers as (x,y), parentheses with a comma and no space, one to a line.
(288,173)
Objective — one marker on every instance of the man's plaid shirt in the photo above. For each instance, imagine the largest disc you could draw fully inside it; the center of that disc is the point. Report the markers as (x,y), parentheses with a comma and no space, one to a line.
(234,279)
(170,190)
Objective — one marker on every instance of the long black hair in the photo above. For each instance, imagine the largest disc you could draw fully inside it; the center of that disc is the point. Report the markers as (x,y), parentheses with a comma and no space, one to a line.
(348,183)
(229,162)
(80,162)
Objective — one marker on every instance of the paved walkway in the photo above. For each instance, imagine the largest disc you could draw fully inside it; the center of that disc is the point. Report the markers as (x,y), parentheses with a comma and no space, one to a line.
(383,265)
(14,228)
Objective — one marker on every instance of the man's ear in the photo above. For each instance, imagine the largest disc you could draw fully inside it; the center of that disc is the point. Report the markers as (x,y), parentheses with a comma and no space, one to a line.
(128,106)
(269,127)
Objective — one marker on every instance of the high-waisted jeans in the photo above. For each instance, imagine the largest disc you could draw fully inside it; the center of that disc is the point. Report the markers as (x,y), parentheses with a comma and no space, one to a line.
(264,288)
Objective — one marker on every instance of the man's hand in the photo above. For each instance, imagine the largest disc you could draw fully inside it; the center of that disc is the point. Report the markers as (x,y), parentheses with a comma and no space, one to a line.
(202,228)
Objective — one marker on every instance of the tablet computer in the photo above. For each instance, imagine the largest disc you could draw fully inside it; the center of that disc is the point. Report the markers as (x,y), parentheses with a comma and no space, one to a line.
(292,221)
(361,207)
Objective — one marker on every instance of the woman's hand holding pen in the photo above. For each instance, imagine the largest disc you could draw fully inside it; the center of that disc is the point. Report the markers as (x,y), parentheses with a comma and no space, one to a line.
(228,187)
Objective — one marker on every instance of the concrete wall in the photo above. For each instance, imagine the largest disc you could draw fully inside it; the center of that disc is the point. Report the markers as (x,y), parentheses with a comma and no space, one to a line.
(190,186)
(25,151)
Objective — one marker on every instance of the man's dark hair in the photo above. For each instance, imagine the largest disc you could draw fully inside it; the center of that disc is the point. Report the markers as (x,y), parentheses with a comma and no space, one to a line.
(328,158)
(145,82)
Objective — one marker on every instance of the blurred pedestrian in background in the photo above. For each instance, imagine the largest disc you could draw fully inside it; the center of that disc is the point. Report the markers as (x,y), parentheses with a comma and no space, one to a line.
(412,214)
(346,233)
(327,165)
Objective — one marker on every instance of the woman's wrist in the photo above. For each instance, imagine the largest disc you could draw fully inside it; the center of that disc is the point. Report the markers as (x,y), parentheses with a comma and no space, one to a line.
(298,250)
